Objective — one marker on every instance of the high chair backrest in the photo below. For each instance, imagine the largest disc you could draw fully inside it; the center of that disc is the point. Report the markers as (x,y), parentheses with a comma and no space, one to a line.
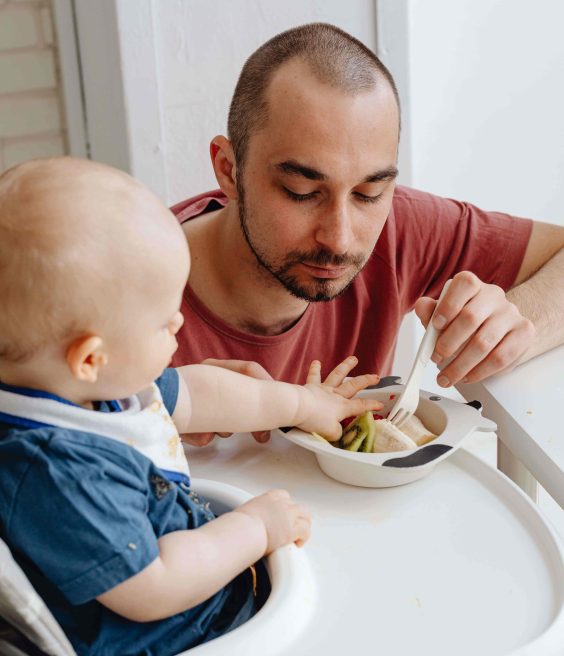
(22,608)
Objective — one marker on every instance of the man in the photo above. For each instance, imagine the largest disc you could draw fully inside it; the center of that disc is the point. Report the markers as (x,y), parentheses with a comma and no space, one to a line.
(311,251)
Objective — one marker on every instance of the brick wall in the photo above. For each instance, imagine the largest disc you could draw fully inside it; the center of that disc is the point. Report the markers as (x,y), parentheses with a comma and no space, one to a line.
(31,117)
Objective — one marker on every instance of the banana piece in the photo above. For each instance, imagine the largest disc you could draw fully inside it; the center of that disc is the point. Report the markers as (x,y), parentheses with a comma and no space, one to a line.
(369,435)
(390,438)
(415,429)
(319,438)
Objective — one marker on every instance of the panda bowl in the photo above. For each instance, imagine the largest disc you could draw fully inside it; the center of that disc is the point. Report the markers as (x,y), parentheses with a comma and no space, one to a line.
(452,422)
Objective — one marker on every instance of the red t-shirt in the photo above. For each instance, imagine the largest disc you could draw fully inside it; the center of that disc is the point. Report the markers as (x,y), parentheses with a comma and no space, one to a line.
(425,241)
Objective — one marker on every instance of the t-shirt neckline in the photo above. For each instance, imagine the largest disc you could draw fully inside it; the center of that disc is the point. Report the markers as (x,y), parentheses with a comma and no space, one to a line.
(223,327)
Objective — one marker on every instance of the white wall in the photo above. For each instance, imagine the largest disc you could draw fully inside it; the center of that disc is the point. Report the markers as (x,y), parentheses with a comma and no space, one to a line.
(486,94)
(201,48)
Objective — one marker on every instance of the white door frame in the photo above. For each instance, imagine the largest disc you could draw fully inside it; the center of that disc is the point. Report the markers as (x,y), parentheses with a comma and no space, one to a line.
(110,84)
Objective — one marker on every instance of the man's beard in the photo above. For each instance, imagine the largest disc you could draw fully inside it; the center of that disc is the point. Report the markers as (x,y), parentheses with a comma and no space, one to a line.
(324,288)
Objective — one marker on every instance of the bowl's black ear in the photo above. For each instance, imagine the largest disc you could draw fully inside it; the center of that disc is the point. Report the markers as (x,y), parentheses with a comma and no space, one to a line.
(420,457)
(386,382)
(475,404)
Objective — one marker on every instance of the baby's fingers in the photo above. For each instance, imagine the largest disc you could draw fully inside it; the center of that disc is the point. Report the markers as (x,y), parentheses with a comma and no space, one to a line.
(355,407)
(341,371)
(354,385)
(314,373)
(302,527)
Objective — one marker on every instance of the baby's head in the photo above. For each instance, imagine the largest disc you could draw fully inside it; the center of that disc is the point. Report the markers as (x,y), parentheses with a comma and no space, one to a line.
(92,268)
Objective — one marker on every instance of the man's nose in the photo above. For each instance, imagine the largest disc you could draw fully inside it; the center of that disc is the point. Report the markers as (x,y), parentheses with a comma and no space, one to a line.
(334,230)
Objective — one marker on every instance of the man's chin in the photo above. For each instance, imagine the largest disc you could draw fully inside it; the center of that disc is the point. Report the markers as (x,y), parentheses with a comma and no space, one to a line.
(316,292)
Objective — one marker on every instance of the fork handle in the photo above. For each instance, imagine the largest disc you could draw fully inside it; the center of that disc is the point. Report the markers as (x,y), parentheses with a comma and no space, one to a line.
(427,346)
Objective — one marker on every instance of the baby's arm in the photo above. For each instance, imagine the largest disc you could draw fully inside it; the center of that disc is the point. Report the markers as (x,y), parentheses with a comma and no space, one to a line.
(194,564)
(216,399)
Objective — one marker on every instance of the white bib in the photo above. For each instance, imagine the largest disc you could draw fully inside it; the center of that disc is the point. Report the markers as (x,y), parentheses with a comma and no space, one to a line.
(144,423)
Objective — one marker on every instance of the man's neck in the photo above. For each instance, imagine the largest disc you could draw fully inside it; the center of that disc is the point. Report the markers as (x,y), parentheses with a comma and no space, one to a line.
(228,280)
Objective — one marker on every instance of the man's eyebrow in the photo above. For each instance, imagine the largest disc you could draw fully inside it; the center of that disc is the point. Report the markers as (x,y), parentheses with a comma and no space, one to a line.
(386,174)
(294,168)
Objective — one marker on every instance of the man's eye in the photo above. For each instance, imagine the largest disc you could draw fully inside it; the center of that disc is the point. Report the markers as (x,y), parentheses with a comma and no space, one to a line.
(300,198)
(367,199)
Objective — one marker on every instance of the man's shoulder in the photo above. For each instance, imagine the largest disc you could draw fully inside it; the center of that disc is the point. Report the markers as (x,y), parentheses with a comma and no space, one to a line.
(408,199)
(198,205)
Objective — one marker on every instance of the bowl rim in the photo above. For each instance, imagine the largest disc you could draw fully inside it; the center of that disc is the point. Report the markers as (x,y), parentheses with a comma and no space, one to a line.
(462,420)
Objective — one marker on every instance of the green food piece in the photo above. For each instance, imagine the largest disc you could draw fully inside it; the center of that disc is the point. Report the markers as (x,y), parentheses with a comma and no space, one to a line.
(368,444)
(352,432)
(359,434)
(361,425)
(356,443)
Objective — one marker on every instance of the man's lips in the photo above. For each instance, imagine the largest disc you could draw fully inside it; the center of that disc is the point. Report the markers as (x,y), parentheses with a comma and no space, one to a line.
(325,271)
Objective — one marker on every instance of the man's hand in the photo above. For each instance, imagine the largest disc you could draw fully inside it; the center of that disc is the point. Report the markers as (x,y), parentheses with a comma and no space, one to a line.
(484,331)
(247,368)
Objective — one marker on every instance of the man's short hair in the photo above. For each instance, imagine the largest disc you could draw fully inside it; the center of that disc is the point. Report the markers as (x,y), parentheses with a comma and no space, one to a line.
(335,58)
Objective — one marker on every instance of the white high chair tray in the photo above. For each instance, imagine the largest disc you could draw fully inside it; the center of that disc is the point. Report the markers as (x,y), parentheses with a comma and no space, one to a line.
(459,562)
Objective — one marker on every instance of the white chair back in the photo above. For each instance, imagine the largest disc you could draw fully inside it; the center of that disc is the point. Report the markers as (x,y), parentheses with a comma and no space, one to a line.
(23,609)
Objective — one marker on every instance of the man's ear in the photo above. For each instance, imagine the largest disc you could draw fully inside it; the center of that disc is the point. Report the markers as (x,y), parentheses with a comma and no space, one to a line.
(223,162)
(86,358)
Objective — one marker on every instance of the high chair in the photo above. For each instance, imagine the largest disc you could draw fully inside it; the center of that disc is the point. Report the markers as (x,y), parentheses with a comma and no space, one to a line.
(29,624)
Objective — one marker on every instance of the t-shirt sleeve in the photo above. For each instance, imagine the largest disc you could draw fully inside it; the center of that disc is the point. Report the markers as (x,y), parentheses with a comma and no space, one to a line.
(439,237)
(168,384)
(80,515)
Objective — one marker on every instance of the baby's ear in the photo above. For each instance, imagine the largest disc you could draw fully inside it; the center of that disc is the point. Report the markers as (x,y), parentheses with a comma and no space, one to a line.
(85,357)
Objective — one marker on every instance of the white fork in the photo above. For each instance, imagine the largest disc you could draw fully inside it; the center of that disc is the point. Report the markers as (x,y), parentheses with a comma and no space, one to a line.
(408,401)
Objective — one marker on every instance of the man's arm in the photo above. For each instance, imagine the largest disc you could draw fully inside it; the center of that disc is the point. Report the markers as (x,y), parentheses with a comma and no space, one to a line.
(539,287)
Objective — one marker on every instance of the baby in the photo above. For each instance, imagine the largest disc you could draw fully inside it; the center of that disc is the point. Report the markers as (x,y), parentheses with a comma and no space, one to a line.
(95,498)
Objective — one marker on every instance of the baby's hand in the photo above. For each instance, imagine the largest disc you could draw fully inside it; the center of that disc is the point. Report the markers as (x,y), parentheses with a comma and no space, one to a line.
(331,400)
(284,521)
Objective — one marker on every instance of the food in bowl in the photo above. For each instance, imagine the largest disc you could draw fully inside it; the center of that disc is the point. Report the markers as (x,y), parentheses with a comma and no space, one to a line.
(370,433)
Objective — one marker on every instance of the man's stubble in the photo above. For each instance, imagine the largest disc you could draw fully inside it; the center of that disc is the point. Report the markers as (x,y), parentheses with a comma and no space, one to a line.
(282,273)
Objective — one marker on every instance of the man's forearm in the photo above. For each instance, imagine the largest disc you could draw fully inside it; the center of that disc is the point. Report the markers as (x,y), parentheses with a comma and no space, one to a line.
(541,300)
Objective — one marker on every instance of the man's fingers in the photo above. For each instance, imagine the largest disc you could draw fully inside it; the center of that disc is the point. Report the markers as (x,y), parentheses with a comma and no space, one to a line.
(261,436)
(314,373)
(197,439)
(498,343)
(424,309)
(504,356)
(464,286)
(341,371)
(354,385)
(467,323)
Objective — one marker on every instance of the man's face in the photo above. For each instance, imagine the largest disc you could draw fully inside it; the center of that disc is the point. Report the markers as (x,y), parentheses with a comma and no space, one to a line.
(318,181)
